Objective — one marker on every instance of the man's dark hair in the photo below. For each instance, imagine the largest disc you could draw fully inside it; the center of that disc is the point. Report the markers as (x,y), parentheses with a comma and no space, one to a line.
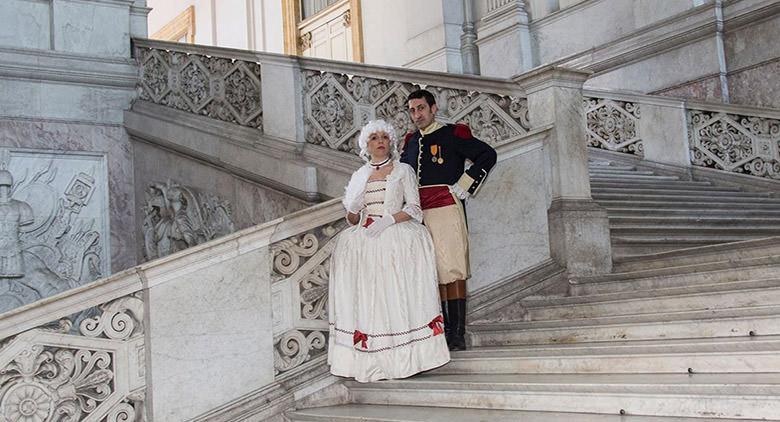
(421,93)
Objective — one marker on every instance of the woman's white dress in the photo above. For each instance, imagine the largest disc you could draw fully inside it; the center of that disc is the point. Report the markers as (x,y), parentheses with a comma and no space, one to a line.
(384,308)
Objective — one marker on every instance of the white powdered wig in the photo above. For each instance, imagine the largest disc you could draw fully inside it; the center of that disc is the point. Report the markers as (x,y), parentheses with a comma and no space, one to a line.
(375,126)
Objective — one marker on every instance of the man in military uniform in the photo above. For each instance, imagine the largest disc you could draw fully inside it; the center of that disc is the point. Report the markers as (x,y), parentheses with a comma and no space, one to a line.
(438,153)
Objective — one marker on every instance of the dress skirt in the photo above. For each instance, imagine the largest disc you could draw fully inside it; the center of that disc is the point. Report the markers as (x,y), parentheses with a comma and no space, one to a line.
(384,308)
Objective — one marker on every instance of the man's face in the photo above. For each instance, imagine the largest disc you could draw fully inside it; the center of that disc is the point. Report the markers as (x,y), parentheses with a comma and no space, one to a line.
(421,113)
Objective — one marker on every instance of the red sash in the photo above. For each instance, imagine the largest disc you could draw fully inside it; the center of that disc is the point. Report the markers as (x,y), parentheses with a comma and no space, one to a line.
(436,196)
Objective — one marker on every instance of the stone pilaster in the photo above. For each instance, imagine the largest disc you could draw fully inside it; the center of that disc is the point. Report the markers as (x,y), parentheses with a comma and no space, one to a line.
(578,227)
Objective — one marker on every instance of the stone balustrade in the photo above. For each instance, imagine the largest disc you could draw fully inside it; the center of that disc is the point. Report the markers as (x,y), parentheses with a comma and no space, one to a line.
(207,325)
(731,138)
(78,356)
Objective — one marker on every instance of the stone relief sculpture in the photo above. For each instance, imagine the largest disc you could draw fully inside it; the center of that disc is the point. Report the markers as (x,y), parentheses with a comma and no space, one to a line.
(13,215)
(53,225)
(176,218)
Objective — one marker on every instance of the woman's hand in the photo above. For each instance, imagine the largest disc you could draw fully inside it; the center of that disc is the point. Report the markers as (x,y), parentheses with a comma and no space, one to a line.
(378,226)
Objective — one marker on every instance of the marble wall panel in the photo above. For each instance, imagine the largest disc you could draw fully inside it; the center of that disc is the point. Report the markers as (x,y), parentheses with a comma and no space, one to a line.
(675,67)
(52,100)
(110,141)
(209,336)
(508,220)
(557,37)
(752,44)
(25,24)
(500,56)
(757,85)
(92,28)
(250,203)
(704,89)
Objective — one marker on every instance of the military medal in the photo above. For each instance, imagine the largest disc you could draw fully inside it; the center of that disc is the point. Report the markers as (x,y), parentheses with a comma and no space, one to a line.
(436,155)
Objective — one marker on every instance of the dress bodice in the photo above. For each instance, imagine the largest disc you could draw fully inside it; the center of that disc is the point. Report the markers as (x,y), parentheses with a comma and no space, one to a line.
(375,197)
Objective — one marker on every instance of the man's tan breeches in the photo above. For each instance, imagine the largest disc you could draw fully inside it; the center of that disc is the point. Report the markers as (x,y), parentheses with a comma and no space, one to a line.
(447,226)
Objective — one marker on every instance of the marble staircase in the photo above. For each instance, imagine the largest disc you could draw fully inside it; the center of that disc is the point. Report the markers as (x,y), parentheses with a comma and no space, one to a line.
(651,212)
(692,335)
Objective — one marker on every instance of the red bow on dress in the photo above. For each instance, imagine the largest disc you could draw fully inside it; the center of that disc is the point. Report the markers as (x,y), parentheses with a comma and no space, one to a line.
(368,222)
(361,338)
(436,325)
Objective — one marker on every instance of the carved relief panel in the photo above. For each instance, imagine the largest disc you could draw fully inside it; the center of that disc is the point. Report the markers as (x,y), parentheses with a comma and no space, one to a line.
(54,223)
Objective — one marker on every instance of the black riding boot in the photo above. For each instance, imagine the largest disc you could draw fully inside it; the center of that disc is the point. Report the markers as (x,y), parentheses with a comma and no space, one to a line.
(456,337)
(447,323)
(459,337)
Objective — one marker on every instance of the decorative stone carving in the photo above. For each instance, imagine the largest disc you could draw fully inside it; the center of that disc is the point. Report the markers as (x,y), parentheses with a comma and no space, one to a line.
(314,292)
(613,125)
(177,217)
(737,143)
(346,18)
(228,90)
(336,106)
(301,266)
(304,41)
(13,215)
(65,378)
(295,347)
(53,224)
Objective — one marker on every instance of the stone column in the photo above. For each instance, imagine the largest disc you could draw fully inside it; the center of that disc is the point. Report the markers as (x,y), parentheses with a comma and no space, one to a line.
(578,227)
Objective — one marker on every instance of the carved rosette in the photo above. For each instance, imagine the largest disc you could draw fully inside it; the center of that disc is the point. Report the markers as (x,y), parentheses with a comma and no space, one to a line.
(336,107)
(71,377)
(219,88)
(613,125)
(741,144)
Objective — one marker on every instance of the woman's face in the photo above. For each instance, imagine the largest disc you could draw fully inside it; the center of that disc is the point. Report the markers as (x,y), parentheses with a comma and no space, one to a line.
(379,145)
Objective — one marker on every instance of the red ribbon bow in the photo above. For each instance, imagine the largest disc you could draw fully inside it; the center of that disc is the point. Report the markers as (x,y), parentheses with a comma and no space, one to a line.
(361,338)
(368,222)
(436,325)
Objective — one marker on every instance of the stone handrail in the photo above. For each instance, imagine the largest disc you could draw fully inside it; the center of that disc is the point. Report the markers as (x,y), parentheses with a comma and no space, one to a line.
(87,352)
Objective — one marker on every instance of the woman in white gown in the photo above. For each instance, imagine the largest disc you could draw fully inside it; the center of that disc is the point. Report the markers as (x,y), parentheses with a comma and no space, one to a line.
(384,308)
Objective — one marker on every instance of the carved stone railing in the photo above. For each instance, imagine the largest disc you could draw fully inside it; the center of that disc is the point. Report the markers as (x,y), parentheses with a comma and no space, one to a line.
(734,142)
(299,291)
(337,105)
(613,125)
(217,87)
(732,138)
(87,366)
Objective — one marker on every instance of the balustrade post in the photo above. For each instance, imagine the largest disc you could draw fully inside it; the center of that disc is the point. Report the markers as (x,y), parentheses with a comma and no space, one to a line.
(282,105)
(664,133)
(578,227)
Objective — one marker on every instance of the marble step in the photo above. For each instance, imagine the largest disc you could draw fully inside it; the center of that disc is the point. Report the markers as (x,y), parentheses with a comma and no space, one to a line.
(682,184)
(701,197)
(396,413)
(705,273)
(675,221)
(631,246)
(716,355)
(736,322)
(733,251)
(619,173)
(689,212)
(716,203)
(674,232)
(632,190)
(702,297)
(713,396)
(629,178)
(621,251)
